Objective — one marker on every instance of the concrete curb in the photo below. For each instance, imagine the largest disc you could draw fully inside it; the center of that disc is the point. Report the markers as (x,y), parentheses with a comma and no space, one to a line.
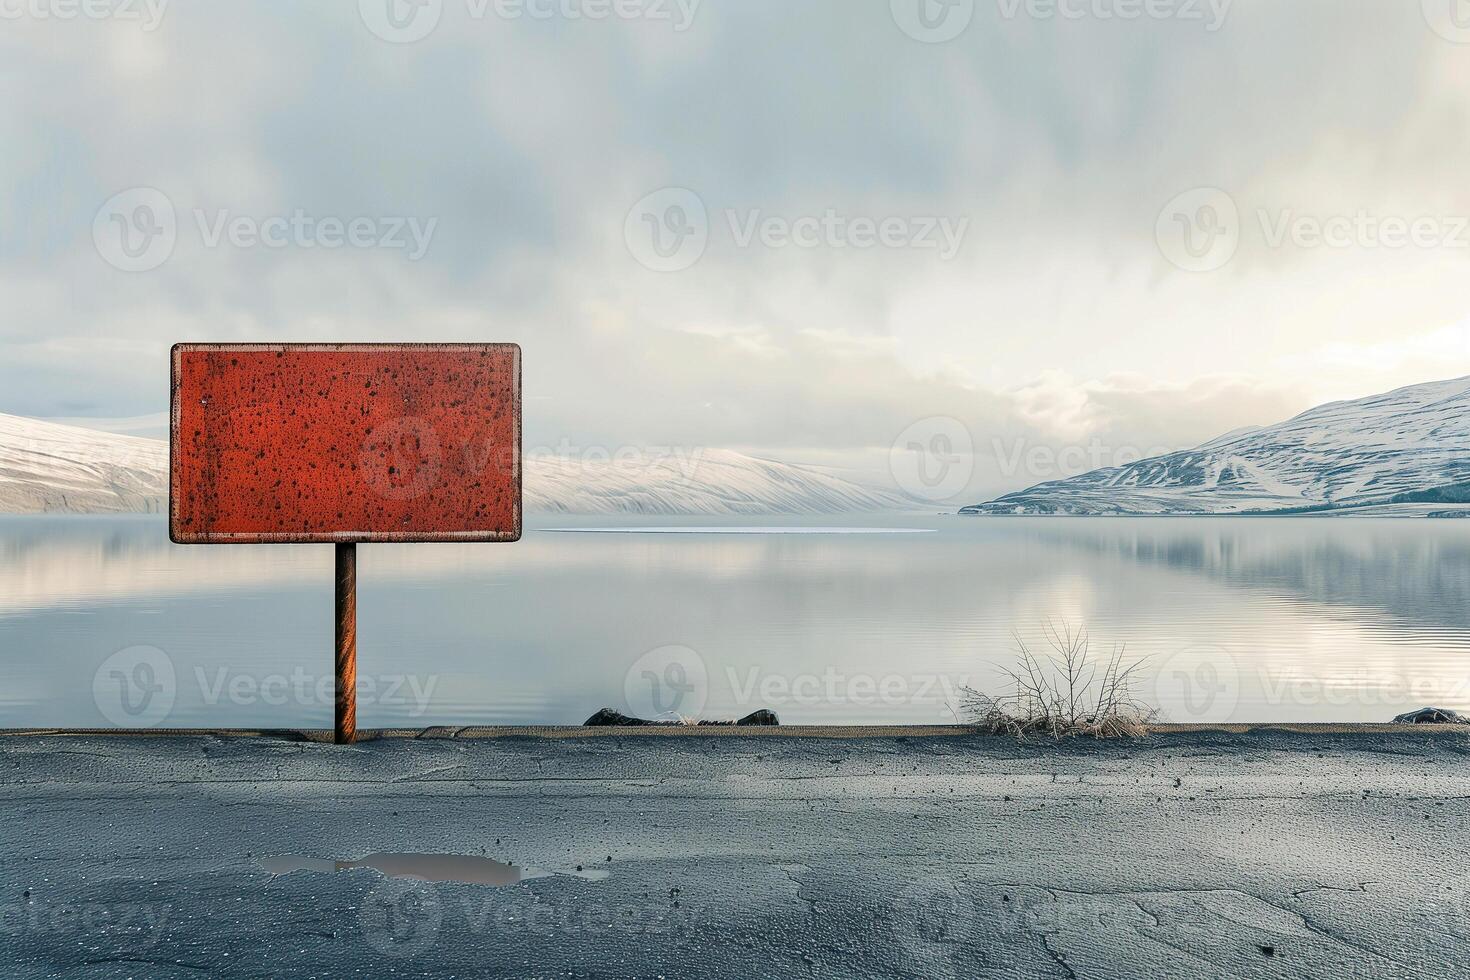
(710,731)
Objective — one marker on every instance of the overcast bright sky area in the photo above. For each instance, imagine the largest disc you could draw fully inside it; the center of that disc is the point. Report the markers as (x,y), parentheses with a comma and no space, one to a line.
(858,223)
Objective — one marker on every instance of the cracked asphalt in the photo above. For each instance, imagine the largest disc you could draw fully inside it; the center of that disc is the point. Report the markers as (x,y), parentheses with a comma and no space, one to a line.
(1205,854)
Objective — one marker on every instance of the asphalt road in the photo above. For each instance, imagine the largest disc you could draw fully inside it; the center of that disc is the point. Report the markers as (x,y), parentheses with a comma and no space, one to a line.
(1265,854)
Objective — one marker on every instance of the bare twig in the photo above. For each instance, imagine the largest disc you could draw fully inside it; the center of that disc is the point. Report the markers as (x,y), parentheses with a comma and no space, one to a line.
(1070,693)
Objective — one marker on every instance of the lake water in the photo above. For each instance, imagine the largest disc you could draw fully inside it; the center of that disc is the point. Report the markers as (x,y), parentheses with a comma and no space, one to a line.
(103,622)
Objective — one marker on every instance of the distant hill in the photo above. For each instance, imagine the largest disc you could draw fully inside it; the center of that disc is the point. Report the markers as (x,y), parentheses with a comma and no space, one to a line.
(49,467)
(45,467)
(1411,445)
(711,481)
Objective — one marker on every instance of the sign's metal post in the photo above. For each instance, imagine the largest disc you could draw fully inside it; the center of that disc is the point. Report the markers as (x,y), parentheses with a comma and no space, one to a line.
(346,718)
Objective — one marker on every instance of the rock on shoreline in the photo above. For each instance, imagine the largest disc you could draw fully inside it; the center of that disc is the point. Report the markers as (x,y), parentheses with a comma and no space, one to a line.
(1432,716)
(611,718)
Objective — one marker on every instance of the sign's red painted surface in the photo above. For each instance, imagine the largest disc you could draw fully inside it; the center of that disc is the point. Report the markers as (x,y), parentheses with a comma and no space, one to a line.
(345,442)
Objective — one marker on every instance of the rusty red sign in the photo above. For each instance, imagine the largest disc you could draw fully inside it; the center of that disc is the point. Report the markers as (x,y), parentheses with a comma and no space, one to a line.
(337,443)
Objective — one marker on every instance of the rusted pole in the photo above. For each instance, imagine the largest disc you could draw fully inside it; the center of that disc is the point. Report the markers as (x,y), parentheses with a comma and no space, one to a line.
(346,729)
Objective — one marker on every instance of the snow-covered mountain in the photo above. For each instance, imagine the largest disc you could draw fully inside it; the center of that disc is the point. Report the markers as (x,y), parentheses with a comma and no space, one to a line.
(710,481)
(1411,445)
(50,467)
(62,468)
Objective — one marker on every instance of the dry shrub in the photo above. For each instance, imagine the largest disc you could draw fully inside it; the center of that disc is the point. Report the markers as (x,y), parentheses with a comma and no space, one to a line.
(1066,693)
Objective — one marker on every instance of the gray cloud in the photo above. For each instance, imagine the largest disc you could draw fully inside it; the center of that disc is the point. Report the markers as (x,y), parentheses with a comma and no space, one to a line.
(1058,323)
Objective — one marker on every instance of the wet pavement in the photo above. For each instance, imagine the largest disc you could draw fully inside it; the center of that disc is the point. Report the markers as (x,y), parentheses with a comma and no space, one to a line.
(1262,854)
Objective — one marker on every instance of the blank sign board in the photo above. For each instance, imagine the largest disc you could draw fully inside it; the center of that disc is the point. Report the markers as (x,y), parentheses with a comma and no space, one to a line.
(337,443)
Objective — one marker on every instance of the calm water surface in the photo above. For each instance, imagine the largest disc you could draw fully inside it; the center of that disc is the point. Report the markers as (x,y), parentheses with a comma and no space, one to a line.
(103,622)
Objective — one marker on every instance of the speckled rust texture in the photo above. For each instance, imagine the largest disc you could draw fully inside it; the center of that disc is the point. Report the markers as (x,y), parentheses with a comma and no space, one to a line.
(345,442)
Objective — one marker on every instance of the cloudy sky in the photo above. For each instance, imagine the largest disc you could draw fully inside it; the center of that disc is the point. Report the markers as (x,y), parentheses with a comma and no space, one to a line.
(802,228)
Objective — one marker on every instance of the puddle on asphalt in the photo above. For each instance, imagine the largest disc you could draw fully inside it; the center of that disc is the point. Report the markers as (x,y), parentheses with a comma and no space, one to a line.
(426,867)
